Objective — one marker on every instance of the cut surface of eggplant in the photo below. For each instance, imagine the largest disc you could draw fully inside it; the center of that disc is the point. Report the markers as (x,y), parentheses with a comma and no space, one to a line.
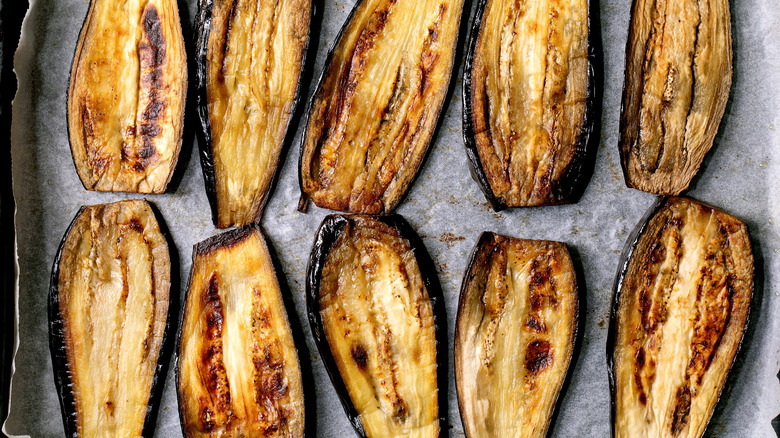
(238,372)
(372,299)
(251,57)
(375,110)
(126,96)
(108,313)
(515,335)
(677,83)
(530,101)
(681,306)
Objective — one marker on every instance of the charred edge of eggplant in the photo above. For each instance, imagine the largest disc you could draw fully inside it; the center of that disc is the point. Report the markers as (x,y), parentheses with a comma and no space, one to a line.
(577,175)
(202,33)
(76,51)
(625,258)
(304,200)
(59,356)
(327,235)
(486,237)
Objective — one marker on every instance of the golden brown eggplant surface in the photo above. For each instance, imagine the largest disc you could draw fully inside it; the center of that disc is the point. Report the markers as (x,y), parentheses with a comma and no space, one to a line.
(238,372)
(112,294)
(678,77)
(514,340)
(378,320)
(682,309)
(126,96)
(529,84)
(254,61)
(378,102)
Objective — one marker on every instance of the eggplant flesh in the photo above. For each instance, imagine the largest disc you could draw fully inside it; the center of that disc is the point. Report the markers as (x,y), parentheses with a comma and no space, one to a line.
(238,372)
(108,312)
(677,82)
(681,308)
(371,305)
(376,107)
(252,65)
(527,86)
(126,96)
(515,335)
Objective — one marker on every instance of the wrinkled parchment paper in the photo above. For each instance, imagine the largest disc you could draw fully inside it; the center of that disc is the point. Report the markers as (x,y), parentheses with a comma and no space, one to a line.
(445,206)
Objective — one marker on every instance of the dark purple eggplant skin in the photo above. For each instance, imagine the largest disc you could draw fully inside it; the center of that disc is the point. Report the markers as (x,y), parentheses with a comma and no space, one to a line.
(625,258)
(486,238)
(303,203)
(202,32)
(327,235)
(578,174)
(59,357)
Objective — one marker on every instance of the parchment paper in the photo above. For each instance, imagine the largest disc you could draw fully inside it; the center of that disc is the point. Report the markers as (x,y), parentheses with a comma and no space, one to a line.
(445,206)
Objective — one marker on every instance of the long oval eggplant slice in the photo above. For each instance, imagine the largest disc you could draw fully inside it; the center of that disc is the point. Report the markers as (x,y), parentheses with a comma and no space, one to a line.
(678,77)
(238,372)
(108,319)
(682,298)
(251,54)
(530,102)
(373,116)
(515,335)
(126,96)
(374,305)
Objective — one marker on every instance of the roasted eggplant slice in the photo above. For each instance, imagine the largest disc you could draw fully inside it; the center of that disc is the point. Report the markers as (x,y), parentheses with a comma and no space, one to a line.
(126,96)
(238,373)
(530,101)
(374,305)
(108,319)
(682,297)
(251,54)
(376,107)
(678,77)
(518,303)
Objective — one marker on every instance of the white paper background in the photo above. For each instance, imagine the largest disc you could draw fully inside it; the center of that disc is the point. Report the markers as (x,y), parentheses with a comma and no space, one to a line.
(445,206)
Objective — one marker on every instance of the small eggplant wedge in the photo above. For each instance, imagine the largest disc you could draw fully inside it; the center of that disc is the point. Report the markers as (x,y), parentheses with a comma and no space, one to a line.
(372,118)
(677,83)
(250,59)
(682,298)
(518,302)
(530,101)
(108,320)
(237,372)
(375,309)
(126,96)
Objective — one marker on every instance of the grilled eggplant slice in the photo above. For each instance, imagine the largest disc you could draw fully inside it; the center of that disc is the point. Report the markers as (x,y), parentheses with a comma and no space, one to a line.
(377,104)
(682,297)
(126,96)
(108,319)
(238,372)
(530,101)
(251,54)
(678,77)
(518,300)
(374,304)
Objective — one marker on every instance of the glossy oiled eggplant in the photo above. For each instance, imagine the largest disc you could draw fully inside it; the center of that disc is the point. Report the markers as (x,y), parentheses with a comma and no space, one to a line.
(374,305)
(515,335)
(108,318)
(530,100)
(238,372)
(126,96)
(682,297)
(250,57)
(376,107)
(678,77)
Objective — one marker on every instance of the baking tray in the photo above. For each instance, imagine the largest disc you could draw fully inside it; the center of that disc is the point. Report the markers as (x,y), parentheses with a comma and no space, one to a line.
(445,206)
